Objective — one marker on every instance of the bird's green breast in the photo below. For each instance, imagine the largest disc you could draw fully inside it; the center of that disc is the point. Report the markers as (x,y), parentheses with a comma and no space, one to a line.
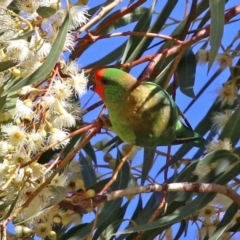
(143,116)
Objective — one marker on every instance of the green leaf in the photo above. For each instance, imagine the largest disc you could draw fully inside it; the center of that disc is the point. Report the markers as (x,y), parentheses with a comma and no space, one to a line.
(103,230)
(162,76)
(202,90)
(231,129)
(6,65)
(142,26)
(98,186)
(148,158)
(2,103)
(90,152)
(186,211)
(13,6)
(155,28)
(149,208)
(46,12)
(141,216)
(216,28)
(186,73)
(88,173)
(25,35)
(114,142)
(43,71)
(181,230)
(224,224)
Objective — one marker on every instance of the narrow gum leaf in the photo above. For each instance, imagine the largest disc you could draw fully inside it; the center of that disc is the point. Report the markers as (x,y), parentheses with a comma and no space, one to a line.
(46,12)
(6,65)
(216,28)
(155,28)
(148,158)
(186,73)
(90,152)
(142,26)
(87,171)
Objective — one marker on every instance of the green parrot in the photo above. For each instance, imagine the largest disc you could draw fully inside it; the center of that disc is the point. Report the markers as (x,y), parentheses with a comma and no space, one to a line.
(142,114)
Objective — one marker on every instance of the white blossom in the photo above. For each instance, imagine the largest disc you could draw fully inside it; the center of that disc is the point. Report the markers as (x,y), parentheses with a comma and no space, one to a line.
(77,17)
(79,83)
(60,180)
(28,6)
(36,142)
(58,17)
(5,3)
(69,43)
(18,50)
(16,135)
(57,136)
(71,67)
(54,104)
(61,90)
(220,119)
(227,94)
(5,19)
(64,120)
(20,157)
(224,60)
(25,90)
(23,110)
(219,144)
(202,56)
(9,34)
(40,46)
(42,229)
(3,148)
(74,167)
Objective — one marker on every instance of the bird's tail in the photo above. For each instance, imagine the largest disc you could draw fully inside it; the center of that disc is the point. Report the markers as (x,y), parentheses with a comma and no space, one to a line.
(185,134)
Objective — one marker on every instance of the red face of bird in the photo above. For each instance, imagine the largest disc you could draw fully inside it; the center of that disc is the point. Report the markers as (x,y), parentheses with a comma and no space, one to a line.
(99,83)
(109,81)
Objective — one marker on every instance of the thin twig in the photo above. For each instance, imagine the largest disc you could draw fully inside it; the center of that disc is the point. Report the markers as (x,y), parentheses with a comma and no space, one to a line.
(138,34)
(114,177)
(80,47)
(83,129)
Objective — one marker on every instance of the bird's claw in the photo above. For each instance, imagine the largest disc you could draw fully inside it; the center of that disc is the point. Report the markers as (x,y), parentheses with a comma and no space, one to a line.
(105,120)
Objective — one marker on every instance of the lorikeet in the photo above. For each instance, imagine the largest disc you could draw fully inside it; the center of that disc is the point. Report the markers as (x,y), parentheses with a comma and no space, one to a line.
(142,114)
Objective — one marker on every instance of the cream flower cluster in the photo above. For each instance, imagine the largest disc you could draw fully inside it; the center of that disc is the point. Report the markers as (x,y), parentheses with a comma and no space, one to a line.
(38,116)
(227,96)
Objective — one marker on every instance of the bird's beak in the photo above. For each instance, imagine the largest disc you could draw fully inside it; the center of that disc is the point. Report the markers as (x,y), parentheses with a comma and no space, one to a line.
(91,84)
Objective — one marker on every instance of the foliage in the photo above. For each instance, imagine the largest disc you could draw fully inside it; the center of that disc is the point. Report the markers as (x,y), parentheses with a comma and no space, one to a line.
(53,171)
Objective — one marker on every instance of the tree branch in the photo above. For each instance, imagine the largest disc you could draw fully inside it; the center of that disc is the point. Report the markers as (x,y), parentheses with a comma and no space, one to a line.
(177,187)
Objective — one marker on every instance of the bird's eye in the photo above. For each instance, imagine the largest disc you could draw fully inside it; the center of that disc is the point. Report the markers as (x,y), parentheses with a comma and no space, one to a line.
(104,81)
